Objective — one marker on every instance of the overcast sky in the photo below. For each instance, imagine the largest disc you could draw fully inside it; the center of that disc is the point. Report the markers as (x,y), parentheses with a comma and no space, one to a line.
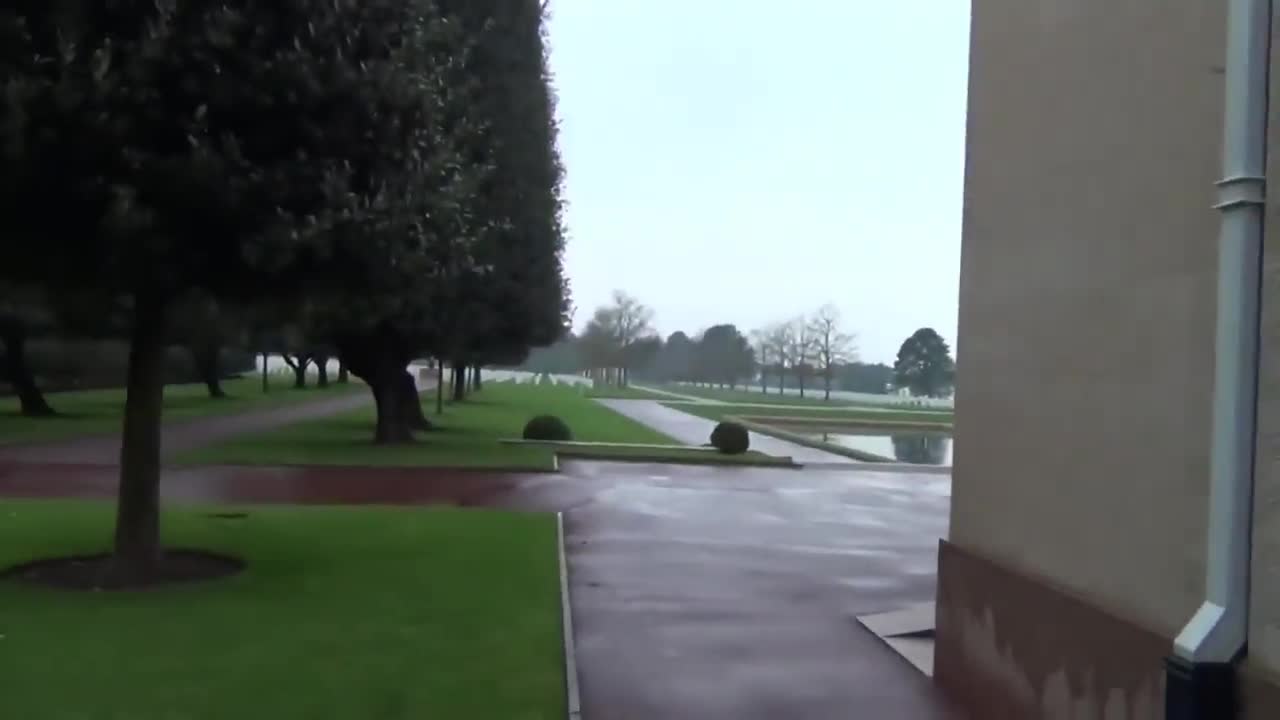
(746,161)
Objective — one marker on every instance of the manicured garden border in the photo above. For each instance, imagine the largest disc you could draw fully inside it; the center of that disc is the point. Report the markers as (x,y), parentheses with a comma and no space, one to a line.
(647,453)
(809,442)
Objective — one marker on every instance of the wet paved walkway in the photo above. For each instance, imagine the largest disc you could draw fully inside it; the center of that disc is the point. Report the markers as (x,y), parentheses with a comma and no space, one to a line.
(699,592)
(694,430)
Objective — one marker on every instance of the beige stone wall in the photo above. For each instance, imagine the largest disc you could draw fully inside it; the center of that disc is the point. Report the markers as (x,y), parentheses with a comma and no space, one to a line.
(1087,297)
(1264,620)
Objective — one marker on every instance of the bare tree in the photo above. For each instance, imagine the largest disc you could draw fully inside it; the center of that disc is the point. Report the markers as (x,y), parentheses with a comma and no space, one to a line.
(763,350)
(779,339)
(831,346)
(624,323)
(800,349)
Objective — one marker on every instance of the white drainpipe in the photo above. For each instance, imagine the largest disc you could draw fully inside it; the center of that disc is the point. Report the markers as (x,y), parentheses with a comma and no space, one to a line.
(1219,629)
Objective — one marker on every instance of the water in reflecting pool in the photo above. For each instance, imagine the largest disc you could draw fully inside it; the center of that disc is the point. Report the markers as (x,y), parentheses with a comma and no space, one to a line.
(914,448)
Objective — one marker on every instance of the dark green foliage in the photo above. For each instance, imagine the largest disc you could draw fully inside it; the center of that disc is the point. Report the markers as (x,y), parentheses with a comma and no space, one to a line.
(547,427)
(385,171)
(924,364)
(723,355)
(483,280)
(730,438)
(676,359)
(78,364)
(864,377)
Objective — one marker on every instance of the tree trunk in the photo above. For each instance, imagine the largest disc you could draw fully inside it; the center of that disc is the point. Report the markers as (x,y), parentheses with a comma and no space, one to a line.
(266,386)
(299,367)
(459,382)
(31,401)
(207,363)
(439,387)
(479,383)
(342,373)
(322,371)
(388,395)
(137,537)
(380,358)
(412,403)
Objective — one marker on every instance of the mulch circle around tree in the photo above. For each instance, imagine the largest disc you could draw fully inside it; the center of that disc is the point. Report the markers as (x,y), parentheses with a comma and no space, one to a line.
(93,572)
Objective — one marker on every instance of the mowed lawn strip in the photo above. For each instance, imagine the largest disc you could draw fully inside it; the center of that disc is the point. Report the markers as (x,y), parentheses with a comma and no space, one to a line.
(836,415)
(467,435)
(813,396)
(99,412)
(340,613)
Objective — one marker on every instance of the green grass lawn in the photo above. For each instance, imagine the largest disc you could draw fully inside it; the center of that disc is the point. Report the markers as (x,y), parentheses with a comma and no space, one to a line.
(467,435)
(843,414)
(379,613)
(94,412)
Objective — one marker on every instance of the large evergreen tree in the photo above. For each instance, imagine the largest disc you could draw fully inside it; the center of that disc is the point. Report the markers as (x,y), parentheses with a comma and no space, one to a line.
(924,364)
(724,355)
(147,149)
(489,283)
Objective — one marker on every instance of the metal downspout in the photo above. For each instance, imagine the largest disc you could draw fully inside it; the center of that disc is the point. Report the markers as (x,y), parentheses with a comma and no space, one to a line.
(1200,673)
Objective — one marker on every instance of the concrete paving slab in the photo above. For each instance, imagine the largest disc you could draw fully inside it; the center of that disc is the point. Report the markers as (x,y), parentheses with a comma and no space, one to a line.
(915,650)
(910,620)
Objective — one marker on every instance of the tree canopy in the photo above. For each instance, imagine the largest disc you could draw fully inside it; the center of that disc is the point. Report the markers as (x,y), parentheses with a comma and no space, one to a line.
(924,365)
(381,173)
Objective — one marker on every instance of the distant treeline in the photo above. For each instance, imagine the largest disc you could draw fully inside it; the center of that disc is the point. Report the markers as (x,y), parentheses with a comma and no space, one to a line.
(680,358)
(812,350)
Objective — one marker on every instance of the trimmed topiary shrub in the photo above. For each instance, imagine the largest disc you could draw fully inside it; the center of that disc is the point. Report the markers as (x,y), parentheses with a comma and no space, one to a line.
(547,427)
(730,438)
